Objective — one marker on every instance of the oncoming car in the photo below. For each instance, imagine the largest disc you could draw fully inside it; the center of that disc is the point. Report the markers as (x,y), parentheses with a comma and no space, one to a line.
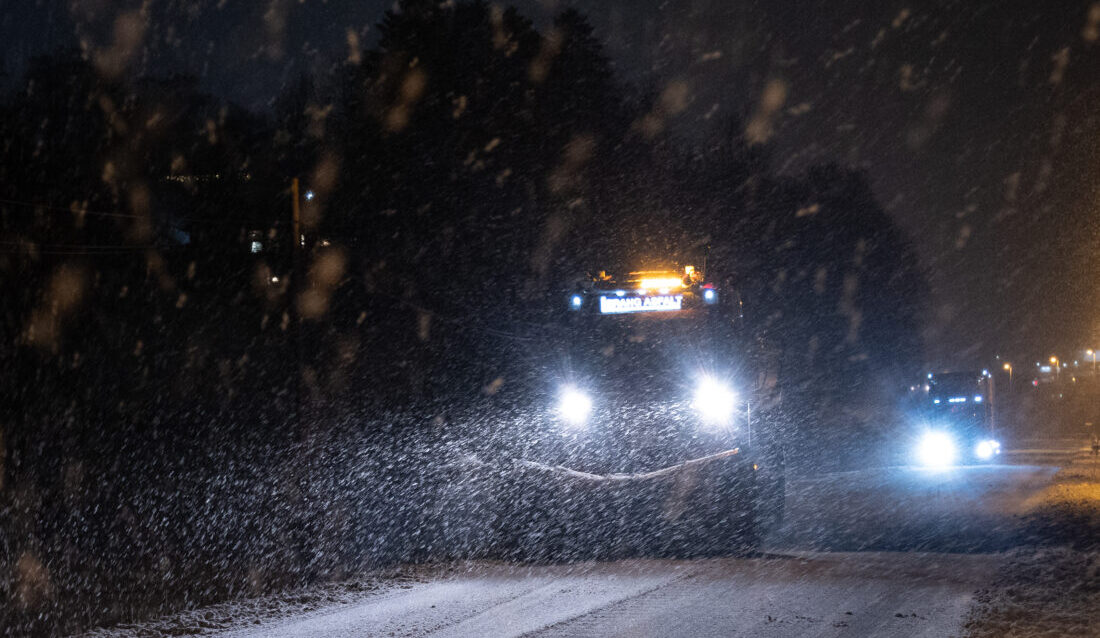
(649,436)
(959,415)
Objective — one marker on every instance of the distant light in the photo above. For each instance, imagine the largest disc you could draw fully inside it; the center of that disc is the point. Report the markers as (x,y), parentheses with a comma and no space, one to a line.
(708,294)
(985,373)
(257,246)
(577,301)
(1035,382)
(274,279)
(620,293)
(957,400)
(309,196)
(936,401)
(929,375)
(1044,368)
(984,450)
(977,398)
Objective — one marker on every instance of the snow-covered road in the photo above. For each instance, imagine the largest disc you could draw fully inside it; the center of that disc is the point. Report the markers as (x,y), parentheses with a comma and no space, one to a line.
(871,594)
(884,552)
(957,509)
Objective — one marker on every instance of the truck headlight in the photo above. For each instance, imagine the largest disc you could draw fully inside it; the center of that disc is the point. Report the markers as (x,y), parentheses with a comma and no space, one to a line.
(986,450)
(937,449)
(574,406)
(714,401)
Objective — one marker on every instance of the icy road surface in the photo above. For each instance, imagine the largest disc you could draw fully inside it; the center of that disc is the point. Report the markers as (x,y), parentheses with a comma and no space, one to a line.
(884,552)
(809,595)
(959,509)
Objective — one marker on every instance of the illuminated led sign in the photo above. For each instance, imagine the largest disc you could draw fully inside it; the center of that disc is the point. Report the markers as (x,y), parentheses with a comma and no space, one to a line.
(656,303)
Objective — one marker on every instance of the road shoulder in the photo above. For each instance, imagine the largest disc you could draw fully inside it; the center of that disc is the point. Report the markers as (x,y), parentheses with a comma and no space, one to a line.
(1051,586)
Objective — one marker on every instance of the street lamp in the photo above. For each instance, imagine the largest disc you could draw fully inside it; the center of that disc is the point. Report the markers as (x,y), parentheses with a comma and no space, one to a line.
(1092,353)
(1008,368)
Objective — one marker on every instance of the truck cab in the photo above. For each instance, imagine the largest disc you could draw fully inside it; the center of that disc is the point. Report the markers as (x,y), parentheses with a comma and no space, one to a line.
(959,413)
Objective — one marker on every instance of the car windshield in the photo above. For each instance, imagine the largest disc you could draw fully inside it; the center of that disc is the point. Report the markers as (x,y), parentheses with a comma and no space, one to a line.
(549,317)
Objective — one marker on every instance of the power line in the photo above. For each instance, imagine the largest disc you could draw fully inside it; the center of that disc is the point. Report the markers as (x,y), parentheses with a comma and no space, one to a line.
(31,244)
(62,209)
(99,213)
(31,247)
(13,248)
(69,253)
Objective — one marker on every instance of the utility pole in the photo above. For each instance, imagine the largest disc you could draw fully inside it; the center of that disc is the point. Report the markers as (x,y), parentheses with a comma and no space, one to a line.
(293,291)
(296,212)
(304,530)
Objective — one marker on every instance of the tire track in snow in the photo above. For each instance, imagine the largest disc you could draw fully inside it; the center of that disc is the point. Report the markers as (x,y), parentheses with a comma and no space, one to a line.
(576,597)
(488,600)
(811,595)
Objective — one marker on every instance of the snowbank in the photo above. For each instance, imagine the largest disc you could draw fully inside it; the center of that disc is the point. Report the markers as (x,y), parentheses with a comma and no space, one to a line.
(1041,592)
(1053,587)
(262,610)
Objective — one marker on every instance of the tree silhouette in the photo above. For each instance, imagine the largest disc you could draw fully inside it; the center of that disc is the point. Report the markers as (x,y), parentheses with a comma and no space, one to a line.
(468,169)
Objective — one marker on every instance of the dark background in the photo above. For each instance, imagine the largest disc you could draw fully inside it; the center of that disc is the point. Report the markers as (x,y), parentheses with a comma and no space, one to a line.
(973,119)
(185,420)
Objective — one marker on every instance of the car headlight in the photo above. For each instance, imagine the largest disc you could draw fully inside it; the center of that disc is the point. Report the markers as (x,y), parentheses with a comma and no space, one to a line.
(937,449)
(574,406)
(986,450)
(714,401)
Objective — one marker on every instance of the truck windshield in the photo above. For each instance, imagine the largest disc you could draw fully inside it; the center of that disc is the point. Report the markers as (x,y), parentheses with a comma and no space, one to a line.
(958,386)
(654,353)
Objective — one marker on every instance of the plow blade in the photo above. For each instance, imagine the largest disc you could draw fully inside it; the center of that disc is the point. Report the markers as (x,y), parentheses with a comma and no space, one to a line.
(701,507)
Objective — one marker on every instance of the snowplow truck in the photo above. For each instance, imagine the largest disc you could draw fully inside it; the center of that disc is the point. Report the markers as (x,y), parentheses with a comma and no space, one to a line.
(648,438)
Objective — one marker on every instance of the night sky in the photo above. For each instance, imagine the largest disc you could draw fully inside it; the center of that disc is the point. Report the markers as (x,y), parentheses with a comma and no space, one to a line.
(978,122)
